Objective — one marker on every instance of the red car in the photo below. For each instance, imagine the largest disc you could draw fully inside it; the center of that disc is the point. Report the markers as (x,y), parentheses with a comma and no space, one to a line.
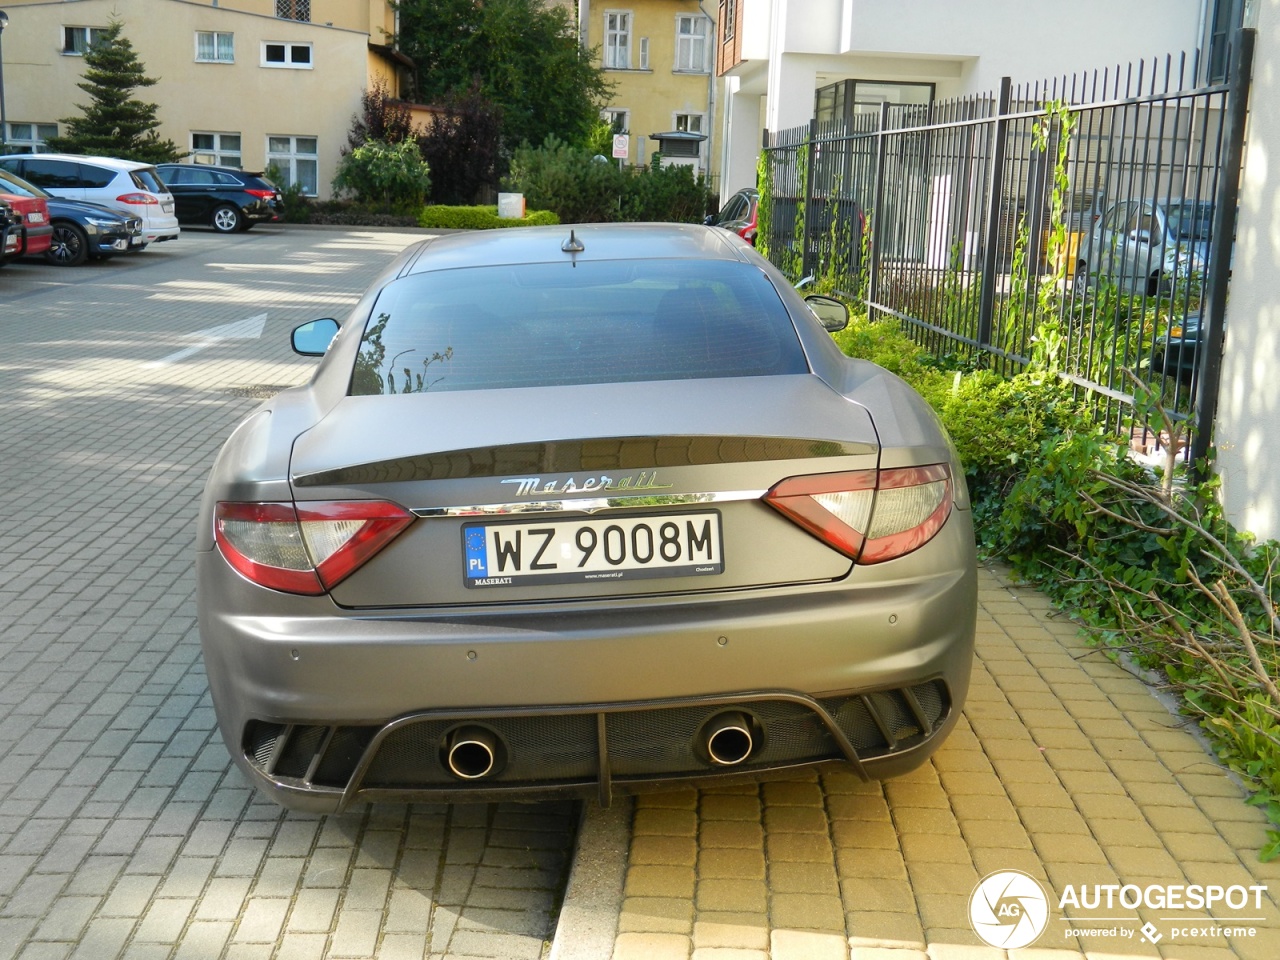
(10,233)
(34,229)
(739,214)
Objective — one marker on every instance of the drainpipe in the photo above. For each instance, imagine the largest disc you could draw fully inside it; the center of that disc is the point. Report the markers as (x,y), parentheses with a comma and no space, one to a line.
(711,92)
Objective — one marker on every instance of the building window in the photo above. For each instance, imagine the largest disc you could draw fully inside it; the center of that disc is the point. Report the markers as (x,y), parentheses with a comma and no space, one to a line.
(76,40)
(689,122)
(297,162)
(729,17)
(220,149)
(215,47)
(691,44)
(287,55)
(29,137)
(294,10)
(644,53)
(846,99)
(617,40)
(619,120)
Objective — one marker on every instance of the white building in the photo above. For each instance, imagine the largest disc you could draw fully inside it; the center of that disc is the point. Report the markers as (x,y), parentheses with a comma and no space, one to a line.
(776,55)
(787,61)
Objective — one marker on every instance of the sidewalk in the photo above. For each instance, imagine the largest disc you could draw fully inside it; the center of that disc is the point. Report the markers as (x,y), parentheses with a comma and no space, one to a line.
(1064,766)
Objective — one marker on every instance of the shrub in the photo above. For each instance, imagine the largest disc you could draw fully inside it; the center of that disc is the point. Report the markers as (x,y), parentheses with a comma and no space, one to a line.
(1155,572)
(391,175)
(580,187)
(441,217)
(665,193)
(568,181)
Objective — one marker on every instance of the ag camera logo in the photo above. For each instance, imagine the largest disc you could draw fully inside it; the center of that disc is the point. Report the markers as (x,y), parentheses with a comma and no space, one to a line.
(1008,909)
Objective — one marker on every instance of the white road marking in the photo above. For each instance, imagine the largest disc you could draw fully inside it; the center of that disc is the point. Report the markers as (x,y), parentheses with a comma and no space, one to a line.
(250,329)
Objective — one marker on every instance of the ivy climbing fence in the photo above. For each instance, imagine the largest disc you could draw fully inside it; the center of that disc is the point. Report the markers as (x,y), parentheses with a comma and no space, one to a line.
(1083,224)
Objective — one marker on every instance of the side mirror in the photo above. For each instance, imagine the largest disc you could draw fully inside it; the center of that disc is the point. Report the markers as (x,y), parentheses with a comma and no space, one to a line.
(312,339)
(1140,236)
(709,220)
(831,313)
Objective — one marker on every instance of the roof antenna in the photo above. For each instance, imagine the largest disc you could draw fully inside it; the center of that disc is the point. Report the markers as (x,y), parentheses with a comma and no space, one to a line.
(573,244)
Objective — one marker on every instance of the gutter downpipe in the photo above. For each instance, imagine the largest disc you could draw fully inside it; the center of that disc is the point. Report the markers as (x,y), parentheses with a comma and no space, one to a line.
(713,37)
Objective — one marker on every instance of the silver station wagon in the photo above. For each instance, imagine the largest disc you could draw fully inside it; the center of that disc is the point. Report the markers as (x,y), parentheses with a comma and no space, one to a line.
(574,510)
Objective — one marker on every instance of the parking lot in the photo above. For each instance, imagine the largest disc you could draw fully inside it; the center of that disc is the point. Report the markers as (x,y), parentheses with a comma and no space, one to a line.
(125,831)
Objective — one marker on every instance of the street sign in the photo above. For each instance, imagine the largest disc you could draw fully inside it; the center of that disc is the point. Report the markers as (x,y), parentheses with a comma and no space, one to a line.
(621,146)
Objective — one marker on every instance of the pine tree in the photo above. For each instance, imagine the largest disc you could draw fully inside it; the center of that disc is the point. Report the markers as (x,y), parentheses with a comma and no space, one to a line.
(115,124)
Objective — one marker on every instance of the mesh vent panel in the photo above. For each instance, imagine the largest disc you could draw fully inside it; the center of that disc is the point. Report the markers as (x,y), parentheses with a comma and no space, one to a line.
(299,751)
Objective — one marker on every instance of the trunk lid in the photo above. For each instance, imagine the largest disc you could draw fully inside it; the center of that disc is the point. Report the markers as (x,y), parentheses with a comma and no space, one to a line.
(512,486)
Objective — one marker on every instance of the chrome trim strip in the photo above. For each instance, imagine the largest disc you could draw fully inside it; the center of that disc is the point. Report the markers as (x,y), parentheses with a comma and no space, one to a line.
(588,504)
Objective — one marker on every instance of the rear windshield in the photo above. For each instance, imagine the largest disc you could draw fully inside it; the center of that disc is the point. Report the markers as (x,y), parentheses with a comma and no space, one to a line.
(534,325)
(147,178)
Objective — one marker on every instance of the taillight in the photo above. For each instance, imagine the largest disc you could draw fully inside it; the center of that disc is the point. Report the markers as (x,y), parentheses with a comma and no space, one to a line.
(136,199)
(308,548)
(260,194)
(869,515)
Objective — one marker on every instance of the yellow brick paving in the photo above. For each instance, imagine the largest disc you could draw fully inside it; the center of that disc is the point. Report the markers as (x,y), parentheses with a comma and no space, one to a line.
(1063,766)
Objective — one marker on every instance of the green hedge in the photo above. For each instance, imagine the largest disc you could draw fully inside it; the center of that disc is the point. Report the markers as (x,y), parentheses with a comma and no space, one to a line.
(440,217)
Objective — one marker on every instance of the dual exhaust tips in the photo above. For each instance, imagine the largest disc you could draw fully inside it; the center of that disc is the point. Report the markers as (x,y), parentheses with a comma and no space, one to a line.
(474,752)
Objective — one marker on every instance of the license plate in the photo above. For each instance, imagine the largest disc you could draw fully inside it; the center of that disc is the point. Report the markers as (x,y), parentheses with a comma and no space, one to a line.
(137,241)
(36,217)
(167,207)
(592,550)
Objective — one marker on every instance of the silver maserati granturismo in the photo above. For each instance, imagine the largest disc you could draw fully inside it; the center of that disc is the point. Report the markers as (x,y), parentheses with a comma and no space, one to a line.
(574,510)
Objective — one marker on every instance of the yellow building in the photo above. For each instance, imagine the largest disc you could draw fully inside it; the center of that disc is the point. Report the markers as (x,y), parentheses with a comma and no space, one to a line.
(658,54)
(243,83)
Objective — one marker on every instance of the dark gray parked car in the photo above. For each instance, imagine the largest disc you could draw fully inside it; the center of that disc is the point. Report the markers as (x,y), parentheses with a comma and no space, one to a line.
(572,511)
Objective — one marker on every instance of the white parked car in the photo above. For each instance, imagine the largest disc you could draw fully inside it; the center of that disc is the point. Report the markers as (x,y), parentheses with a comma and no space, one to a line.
(1147,248)
(136,188)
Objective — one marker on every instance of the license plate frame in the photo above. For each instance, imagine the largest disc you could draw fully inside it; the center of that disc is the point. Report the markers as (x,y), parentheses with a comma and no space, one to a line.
(547,552)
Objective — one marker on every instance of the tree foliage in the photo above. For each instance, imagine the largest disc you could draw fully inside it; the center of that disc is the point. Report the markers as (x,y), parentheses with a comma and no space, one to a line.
(523,55)
(381,117)
(463,145)
(115,123)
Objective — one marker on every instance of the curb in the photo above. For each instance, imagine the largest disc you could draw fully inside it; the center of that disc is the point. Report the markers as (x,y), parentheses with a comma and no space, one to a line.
(588,922)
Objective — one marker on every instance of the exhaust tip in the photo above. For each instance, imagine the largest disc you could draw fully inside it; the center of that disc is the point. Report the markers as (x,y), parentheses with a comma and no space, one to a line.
(472,753)
(729,739)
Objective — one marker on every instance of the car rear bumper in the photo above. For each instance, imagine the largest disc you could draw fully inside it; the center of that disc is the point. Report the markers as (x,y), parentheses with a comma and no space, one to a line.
(34,240)
(326,707)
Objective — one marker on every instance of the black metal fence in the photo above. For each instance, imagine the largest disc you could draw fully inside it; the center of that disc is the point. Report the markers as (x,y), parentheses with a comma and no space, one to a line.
(1084,223)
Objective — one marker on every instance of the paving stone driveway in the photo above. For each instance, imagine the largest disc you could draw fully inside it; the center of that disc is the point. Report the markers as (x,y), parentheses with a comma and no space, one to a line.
(1064,766)
(124,832)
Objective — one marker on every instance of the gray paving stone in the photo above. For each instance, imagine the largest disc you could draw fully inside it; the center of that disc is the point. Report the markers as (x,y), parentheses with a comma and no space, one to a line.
(67,918)
(125,831)
(103,938)
(356,934)
(262,920)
